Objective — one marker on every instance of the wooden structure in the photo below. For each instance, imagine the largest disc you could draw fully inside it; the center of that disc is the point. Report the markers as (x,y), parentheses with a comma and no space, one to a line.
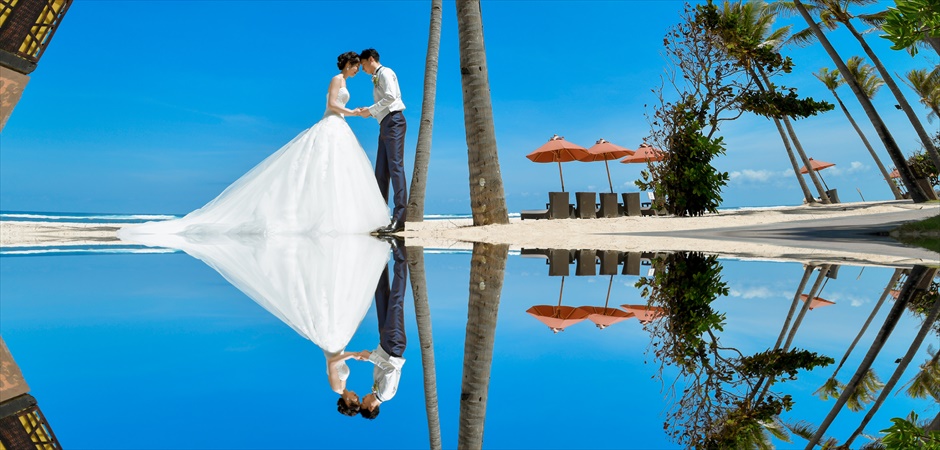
(22,424)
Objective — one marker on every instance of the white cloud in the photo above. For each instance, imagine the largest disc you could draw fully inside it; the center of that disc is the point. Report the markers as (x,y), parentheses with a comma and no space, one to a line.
(760,176)
(854,167)
(754,292)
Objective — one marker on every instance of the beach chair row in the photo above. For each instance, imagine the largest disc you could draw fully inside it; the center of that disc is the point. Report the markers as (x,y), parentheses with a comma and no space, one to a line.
(587,206)
(589,262)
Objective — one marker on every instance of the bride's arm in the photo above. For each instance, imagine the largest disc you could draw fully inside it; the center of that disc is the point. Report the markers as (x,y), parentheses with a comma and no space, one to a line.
(333,98)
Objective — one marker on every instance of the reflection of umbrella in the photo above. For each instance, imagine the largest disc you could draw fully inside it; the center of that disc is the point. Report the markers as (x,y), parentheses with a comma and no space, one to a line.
(557,317)
(558,150)
(605,151)
(817,166)
(605,317)
(645,313)
(816,302)
(645,153)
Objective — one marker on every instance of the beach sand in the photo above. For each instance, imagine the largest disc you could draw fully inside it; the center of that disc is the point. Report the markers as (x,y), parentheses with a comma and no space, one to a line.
(796,233)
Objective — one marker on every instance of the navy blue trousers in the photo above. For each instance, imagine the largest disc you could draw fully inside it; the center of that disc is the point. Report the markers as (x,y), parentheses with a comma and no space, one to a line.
(390,305)
(390,162)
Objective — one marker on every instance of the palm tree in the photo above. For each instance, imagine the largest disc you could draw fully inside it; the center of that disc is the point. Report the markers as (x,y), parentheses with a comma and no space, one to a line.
(419,289)
(927,86)
(890,322)
(897,156)
(927,381)
(753,22)
(487,200)
(834,12)
(419,179)
(487,266)
(833,80)
(902,365)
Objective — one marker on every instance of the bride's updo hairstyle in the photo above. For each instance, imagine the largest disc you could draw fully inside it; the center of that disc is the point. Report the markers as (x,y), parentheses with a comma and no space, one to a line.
(349,57)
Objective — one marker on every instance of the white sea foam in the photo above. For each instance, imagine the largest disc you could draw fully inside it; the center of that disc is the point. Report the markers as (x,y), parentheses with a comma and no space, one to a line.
(57,217)
(78,250)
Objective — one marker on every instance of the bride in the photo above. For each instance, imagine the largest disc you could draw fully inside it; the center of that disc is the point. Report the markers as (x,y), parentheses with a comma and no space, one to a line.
(321,182)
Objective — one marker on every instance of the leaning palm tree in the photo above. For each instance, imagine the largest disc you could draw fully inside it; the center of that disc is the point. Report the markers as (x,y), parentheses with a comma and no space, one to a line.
(897,156)
(894,315)
(833,80)
(487,266)
(419,179)
(835,12)
(926,328)
(419,290)
(927,86)
(487,200)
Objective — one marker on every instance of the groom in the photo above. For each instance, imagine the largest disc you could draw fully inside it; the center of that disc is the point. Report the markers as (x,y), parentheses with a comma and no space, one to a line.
(390,157)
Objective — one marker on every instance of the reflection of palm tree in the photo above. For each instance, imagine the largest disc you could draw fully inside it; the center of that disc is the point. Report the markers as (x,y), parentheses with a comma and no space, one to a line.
(487,201)
(832,386)
(894,151)
(487,266)
(419,289)
(929,320)
(927,381)
(832,80)
(423,151)
(890,322)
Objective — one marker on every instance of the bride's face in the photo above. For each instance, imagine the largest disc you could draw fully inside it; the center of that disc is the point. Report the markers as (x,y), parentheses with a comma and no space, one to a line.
(351,69)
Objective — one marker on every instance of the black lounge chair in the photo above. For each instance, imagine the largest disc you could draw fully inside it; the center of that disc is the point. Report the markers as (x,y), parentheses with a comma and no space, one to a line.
(587,205)
(556,208)
(631,204)
(608,206)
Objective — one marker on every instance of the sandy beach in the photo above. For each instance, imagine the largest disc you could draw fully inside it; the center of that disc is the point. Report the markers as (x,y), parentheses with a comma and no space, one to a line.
(842,233)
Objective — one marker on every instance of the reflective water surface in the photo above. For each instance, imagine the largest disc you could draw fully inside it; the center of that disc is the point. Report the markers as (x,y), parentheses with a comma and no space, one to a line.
(225,346)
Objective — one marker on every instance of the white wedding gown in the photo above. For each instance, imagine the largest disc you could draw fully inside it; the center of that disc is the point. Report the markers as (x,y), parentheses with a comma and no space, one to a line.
(320,182)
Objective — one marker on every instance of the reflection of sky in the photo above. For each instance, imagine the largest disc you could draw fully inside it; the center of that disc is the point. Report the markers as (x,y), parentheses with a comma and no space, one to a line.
(158,351)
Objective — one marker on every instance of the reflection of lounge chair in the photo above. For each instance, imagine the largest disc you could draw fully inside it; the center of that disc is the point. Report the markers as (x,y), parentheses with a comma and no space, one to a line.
(610,260)
(586,263)
(558,260)
(587,205)
(556,208)
(631,263)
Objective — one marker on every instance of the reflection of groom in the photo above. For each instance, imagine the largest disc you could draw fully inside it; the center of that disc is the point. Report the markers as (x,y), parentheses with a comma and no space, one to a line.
(387,357)
(390,157)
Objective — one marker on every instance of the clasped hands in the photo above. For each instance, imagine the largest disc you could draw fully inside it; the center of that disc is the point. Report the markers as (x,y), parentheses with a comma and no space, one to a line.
(362,112)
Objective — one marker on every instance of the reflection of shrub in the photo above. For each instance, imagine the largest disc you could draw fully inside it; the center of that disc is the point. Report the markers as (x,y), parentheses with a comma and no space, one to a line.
(922,301)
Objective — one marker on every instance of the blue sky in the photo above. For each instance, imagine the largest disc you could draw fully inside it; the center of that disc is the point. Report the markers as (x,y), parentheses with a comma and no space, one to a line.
(159,351)
(155,107)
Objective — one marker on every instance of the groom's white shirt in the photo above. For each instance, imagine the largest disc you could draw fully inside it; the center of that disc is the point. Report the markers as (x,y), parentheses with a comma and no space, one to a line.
(386,375)
(386,93)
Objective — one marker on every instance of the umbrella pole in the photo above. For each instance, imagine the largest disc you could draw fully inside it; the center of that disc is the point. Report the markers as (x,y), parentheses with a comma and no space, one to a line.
(561,176)
(823,180)
(608,291)
(560,290)
(608,177)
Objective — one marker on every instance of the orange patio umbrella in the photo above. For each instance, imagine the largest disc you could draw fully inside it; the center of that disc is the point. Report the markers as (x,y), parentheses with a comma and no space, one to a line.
(645,313)
(558,317)
(894,174)
(645,153)
(817,166)
(557,149)
(605,317)
(816,302)
(603,150)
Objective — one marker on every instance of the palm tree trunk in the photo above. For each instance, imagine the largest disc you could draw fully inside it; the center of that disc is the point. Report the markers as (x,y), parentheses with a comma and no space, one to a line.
(419,289)
(905,361)
(884,295)
(487,266)
(881,167)
(823,196)
(487,200)
(925,138)
(890,322)
(897,156)
(419,179)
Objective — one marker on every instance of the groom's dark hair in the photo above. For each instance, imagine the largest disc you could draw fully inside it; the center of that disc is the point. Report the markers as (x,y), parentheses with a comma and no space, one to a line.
(369,53)
(346,409)
(371,415)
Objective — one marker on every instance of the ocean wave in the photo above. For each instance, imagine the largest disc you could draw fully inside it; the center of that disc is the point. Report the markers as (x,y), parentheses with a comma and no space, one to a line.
(81,251)
(55,217)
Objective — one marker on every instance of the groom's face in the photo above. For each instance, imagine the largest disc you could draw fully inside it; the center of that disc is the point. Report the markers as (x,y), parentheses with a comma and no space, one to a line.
(369,65)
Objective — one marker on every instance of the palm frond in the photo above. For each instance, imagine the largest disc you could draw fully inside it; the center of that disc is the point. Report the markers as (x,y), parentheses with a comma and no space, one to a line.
(873,20)
(802,429)
(830,389)
(864,392)
(802,38)
(777,429)
(873,444)
(926,383)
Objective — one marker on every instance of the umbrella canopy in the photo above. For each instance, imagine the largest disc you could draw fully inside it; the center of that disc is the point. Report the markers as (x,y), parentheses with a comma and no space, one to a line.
(557,317)
(816,302)
(895,174)
(645,153)
(645,313)
(605,317)
(603,150)
(816,165)
(558,150)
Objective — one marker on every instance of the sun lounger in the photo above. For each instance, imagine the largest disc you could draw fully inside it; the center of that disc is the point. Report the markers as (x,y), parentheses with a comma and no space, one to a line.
(610,260)
(608,206)
(587,205)
(586,263)
(631,203)
(556,208)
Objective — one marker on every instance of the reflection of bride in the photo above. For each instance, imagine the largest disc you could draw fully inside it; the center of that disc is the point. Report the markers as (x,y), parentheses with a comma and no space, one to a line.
(322,286)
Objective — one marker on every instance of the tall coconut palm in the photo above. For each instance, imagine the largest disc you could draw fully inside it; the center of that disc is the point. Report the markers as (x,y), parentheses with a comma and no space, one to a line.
(902,365)
(890,322)
(835,12)
(832,386)
(419,289)
(487,266)
(897,156)
(487,200)
(753,29)
(419,179)
(927,86)
(832,80)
